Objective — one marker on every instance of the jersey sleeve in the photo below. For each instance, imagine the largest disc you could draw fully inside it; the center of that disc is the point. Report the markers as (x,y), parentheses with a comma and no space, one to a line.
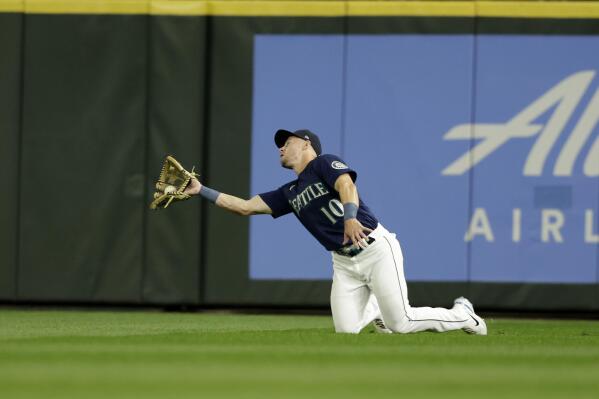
(277,202)
(330,167)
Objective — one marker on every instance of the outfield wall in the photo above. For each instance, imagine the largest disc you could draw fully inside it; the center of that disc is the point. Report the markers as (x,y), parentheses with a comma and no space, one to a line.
(472,125)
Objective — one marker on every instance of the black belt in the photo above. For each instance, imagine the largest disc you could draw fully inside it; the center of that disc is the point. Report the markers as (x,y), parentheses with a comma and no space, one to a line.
(351,250)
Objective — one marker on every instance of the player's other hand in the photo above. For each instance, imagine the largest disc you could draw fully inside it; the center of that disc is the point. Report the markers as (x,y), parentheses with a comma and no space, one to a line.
(193,188)
(356,233)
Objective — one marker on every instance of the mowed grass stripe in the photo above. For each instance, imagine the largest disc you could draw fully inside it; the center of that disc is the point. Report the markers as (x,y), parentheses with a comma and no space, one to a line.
(100,323)
(161,355)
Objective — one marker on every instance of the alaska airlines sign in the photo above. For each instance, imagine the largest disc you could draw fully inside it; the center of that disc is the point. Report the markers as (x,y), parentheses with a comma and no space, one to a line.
(563,98)
(509,196)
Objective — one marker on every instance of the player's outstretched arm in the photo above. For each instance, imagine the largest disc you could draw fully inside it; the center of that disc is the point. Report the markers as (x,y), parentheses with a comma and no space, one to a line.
(253,206)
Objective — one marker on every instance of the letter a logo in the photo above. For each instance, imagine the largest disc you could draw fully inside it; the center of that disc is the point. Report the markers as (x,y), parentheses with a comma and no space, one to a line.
(563,98)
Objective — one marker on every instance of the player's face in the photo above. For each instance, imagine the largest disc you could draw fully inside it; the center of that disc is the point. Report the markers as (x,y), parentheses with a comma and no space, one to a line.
(290,154)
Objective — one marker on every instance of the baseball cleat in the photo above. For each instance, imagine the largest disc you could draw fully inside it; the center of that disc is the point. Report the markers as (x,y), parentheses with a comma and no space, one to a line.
(380,327)
(478,325)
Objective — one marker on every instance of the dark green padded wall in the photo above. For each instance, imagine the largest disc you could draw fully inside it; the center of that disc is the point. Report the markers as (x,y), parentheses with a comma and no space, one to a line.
(176,126)
(84,130)
(10,110)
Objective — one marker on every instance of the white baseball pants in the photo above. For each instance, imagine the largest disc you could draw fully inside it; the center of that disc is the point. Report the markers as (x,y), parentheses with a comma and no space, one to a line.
(372,284)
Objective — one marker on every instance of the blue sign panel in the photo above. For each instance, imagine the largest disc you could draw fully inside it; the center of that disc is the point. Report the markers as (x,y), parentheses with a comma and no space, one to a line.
(536,183)
(486,167)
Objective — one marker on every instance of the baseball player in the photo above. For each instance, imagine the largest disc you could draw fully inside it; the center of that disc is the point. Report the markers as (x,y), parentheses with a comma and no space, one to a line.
(368,280)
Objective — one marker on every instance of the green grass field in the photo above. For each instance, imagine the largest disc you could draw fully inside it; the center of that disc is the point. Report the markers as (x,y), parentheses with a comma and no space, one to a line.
(97,354)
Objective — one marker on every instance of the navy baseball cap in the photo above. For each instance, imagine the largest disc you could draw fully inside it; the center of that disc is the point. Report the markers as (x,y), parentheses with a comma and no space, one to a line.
(282,135)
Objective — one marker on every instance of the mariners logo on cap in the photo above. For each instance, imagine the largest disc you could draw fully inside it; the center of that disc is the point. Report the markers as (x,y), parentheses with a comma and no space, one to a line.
(338,165)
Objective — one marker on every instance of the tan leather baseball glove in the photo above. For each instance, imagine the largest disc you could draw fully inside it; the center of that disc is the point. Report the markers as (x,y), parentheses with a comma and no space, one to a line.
(171,184)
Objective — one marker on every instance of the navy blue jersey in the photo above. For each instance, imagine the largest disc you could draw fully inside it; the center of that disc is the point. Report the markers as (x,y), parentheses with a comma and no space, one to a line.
(315,202)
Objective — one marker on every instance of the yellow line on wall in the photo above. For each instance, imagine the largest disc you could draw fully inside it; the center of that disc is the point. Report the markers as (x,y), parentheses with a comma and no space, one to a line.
(323,8)
(279,8)
(412,8)
(11,6)
(180,7)
(538,9)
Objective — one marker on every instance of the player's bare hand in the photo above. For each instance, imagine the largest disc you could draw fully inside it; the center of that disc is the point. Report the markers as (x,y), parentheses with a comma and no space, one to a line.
(194,187)
(355,232)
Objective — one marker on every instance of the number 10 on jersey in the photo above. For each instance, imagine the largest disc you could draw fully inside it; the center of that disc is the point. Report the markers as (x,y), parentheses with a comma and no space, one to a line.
(335,208)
